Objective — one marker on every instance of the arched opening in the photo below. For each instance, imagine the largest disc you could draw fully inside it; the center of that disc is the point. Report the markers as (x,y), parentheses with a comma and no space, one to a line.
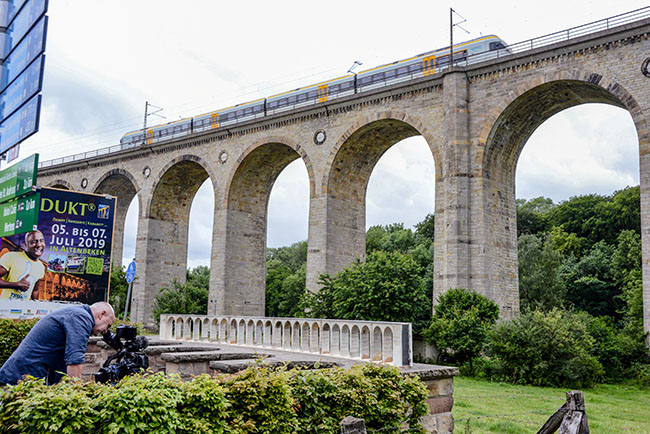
(286,259)
(558,105)
(164,223)
(246,226)
(121,184)
(584,159)
(347,185)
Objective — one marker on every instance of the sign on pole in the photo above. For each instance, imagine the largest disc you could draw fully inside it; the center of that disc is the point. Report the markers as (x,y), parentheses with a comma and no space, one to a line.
(130,275)
(19,178)
(22,44)
(130,272)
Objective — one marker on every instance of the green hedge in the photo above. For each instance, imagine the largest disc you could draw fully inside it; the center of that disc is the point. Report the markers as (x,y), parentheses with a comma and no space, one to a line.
(12,332)
(258,400)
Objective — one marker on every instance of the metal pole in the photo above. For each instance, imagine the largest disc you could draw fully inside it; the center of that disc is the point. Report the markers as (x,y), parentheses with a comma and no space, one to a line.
(451,37)
(128,299)
(144,128)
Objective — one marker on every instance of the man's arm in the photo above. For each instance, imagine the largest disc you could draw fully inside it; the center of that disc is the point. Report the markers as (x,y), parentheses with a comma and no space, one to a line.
(74,370)
(21,285)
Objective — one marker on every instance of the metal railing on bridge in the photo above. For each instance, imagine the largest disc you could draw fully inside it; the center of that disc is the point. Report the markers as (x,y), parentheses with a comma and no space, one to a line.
(387,342)
(519,47)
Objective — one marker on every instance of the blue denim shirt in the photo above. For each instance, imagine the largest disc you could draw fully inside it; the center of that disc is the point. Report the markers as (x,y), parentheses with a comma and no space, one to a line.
(57,340)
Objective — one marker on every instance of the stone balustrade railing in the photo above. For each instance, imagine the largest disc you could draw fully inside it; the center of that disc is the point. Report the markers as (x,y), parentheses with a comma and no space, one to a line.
(387,342)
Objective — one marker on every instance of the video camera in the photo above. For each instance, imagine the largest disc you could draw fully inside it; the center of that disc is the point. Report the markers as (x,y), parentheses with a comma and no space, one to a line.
(129,358)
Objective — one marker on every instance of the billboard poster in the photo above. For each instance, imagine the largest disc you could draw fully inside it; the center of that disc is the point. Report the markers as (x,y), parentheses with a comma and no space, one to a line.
(67,259)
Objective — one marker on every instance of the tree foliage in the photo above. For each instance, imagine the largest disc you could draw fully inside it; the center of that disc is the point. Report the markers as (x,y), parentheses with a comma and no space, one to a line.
(544,349)
(188,298)
(460,324)
(387,287)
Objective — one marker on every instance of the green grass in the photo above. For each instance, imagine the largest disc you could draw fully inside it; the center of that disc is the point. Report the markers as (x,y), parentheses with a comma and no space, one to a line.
(484,407)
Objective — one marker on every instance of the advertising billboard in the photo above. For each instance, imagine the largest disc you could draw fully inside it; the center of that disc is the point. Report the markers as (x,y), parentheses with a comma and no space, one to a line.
(66,259)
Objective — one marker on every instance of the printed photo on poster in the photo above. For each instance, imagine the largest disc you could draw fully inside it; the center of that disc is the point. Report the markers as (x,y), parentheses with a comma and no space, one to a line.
(68,257)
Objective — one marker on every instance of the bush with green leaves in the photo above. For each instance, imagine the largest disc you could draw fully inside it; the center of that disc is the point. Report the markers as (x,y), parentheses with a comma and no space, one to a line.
(387,287)
(190,297)
(460,323)
(544,349)
(380,395)
(12,332)
(258,400)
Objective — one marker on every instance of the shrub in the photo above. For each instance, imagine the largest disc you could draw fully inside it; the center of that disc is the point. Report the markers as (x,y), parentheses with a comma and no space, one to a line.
(643,376)
(544,349)
(258,400)
(261,401)
(33,407)
(460,323)
(12,332)
(380,395)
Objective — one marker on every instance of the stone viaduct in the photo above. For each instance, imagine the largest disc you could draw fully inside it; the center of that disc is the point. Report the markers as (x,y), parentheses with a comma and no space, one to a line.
(476,120)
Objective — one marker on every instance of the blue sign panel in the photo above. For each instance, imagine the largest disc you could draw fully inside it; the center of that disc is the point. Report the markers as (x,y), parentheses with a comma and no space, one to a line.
(24,21)
(14,8)
(130,272)
(25,53)
(22,124)
(28,84)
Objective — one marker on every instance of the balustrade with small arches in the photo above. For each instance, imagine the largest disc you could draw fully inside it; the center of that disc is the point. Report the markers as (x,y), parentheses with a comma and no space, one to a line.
(386,342)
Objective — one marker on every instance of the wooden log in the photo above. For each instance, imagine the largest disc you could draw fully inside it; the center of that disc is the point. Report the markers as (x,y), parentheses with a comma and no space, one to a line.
(553,422)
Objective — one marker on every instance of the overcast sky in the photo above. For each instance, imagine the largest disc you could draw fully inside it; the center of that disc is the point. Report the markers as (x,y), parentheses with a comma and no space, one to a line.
(106,58)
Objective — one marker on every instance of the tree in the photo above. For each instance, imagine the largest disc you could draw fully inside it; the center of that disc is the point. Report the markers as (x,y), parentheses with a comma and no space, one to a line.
(119,289)
(390,238)
(544,349)
(188,298)
(425,230)
(532,215)
(387,287)
(285,279)
(540,284)
(460,323)
(590,281)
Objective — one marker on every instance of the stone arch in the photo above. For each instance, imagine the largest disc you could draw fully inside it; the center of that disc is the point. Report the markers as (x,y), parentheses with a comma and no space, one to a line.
(123,185)
(163,228)
(501,139)
(245,204)
(418,128)
(345,182)
(269,145)
(61,184)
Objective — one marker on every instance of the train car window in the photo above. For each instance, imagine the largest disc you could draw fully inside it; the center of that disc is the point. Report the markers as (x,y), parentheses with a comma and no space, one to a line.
(312,94)
(283,102)
(346,85)
(248,111)
(403,70)
(443,60)
(334,89)
(415,67)
(291,99)
(391,74)
(496,46)
(258,108)
(271,105)
(365,80)
(302,97)
(376,78)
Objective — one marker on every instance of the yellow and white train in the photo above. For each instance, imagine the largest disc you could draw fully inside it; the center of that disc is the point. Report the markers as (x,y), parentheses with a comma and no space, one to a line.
(468,52)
